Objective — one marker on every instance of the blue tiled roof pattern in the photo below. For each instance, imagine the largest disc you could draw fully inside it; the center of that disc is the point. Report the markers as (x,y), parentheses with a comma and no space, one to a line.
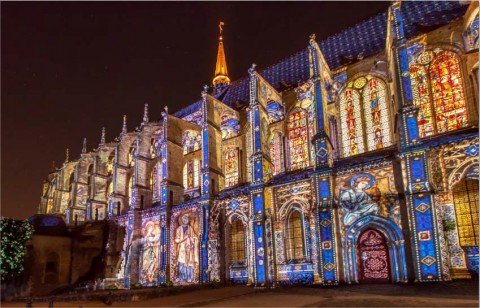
(189,109)
(291,70)
(429,13)
(366,38)
(362,40)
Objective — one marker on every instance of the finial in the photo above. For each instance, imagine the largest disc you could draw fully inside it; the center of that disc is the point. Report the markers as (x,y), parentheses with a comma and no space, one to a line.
(66,155)
(220,25)
(124,126)
(312,37)
(53,165)
(145,114)
(102,139)
(166,109)
(84,147)
(205,91)
(252,68)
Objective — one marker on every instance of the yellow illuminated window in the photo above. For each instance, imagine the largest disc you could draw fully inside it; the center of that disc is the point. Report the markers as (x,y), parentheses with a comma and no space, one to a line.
(237,242)
(465,197)
(294,238)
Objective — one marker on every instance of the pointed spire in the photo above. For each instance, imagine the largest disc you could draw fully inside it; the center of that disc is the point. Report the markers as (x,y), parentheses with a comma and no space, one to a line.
(84,147)
(102,139)
(124,126)
(66,155)
(221,72)
(145,114)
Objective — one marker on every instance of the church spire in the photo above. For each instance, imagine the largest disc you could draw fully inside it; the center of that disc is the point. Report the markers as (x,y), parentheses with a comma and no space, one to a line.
(145,114)
(221,73)
(102,139)
(124,126)
(66,155)
(84,146)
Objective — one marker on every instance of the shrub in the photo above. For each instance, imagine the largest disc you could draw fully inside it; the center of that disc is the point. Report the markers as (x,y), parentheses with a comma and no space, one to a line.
(112,287)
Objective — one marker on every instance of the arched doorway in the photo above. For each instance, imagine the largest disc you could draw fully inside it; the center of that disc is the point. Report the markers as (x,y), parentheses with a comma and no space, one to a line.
(465,198)
(372,258)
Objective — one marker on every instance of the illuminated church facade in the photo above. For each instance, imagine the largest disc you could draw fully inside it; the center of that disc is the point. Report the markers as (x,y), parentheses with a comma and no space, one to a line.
(354,160)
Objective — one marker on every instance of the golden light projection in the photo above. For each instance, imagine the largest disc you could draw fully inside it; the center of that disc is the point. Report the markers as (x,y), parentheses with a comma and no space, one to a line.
(294,237)
(465,197)
(237,242)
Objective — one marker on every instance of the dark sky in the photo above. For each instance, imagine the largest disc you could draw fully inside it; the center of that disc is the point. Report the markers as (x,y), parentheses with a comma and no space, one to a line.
(69,68)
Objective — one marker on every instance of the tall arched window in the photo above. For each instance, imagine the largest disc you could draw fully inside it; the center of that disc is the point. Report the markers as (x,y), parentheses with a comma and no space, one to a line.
(237,242)
(231,167)
(298,139)
(109,167)
(276,152)
(377,122)
(294,236)
(421,99)
(438,92)
(351,123)
(71,180)
(465,197)
(131,157)
(191,174)
(364,116)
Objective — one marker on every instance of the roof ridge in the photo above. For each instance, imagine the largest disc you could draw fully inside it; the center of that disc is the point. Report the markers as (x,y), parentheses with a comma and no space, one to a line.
(353,26)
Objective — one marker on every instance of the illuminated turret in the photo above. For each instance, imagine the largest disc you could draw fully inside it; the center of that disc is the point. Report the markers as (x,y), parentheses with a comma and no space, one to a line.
(221,73)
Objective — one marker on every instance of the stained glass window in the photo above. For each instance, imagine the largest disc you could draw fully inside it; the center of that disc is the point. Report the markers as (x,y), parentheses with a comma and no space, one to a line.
(298,139)
(231,167)
(421,99)
(294,236)
(372,129)
(276,152)
(438,94)
(447,92)
(191,141)
(465,197)
(237,242)
(191,174)
(351,122)
(377,122)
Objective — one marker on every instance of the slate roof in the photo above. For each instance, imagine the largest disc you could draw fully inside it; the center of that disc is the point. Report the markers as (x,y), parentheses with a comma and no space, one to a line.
(348,46)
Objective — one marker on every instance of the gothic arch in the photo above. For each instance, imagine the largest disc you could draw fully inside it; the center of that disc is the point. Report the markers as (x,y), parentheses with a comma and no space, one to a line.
(459,172)
(302,205)
(394,239)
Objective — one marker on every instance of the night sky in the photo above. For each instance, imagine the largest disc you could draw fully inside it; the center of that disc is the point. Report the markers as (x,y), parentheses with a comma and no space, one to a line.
(69,68)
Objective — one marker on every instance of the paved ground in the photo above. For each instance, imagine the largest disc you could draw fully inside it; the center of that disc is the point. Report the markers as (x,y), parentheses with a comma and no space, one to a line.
(455,294)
